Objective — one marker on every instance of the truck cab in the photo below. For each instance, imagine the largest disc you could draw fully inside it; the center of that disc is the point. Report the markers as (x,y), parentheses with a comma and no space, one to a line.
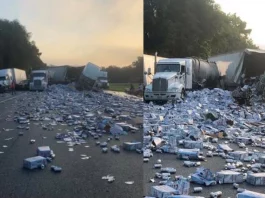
(5,82)
(38,80)
(169,81)
(103,82)
(6,78)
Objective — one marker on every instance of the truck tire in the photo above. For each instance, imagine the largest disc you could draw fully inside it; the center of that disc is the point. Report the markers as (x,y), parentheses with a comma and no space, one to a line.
(183,94)
(146,101)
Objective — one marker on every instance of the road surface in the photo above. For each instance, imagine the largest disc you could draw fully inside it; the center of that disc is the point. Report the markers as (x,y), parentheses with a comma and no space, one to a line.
(79,178)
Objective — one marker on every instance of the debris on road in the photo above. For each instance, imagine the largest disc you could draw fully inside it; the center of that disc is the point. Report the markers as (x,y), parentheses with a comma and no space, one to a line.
(210,123)
(203,176)
(35,162)
(132,146)
(115,149)
(86,114)
(129,182)
(109,178)
(7,129)
(216,194)
(250,194)
(44,151)
(21,133)
(197,189)
(162,191)
(229,177)
(56,169)
(32,141)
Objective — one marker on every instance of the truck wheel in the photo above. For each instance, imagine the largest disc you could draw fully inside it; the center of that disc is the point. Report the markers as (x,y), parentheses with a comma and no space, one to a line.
(183,94)
(146,101)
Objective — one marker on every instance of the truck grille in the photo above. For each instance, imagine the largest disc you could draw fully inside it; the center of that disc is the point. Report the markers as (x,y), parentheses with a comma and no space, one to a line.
(37,82)
(160,84)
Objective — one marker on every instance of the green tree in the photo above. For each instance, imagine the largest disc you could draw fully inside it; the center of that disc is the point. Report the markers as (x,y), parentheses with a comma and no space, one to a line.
(16,48)
(128,74)
(183,28)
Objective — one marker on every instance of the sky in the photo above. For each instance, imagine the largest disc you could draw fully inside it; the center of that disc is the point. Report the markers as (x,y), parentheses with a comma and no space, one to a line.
(250,11)
(75,32)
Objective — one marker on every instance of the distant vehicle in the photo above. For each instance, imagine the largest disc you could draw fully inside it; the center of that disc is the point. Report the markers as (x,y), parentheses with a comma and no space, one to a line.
(39,80)
(103,80)
(8,75)
(35,162)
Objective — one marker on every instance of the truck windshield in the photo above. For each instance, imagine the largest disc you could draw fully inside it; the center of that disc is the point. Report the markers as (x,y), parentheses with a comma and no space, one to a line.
(168,67)
(2,78)
(37,75)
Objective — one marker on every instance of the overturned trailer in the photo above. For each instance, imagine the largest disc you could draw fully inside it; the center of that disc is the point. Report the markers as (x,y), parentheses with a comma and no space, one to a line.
(92,76)
(232,66)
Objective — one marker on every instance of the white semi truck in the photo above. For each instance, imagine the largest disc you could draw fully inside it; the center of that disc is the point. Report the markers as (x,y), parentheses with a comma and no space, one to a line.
(10,74)
(173,76)
(39,80)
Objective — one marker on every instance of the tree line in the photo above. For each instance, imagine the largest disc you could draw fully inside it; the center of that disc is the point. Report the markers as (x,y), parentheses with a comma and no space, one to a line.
(185,28)
(129,74)
(16,48)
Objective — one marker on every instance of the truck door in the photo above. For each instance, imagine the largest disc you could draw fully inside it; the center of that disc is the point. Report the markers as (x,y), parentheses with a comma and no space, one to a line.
(183,75)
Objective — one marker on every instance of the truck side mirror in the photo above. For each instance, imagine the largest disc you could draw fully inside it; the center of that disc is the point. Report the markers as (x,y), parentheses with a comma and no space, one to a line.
(182,69)
(149,72)
(188,71)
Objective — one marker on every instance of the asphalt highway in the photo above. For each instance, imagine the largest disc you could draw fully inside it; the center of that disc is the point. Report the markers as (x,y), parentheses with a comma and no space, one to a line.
(79,178)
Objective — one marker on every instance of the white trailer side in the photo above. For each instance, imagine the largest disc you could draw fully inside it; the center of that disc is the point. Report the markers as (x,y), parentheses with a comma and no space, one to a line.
(19,75)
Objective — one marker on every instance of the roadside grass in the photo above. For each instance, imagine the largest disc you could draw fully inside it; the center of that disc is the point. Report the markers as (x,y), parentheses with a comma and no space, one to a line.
(120,87)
